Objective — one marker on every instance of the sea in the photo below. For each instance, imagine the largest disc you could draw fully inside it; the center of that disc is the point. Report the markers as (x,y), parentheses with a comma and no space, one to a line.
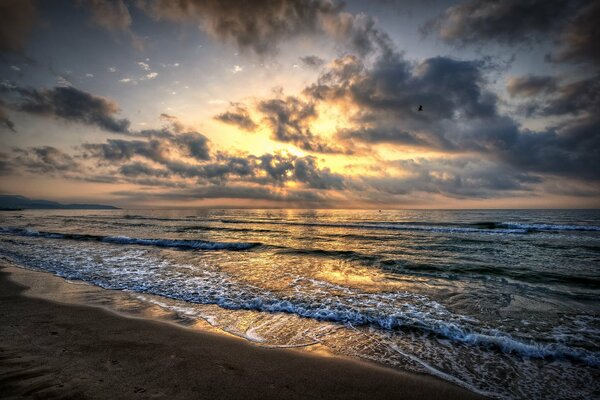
(502,302)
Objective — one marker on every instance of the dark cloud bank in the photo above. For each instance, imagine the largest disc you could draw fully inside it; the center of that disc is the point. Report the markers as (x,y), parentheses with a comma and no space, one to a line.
(489,153)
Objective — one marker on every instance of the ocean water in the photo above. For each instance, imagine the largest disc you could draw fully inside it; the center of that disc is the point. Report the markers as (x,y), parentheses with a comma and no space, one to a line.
(505,303)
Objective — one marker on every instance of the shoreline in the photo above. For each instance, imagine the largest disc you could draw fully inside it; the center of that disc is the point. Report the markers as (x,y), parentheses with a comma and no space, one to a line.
(51,349)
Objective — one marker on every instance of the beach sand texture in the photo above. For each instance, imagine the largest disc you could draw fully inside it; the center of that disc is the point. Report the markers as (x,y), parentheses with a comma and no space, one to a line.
(52,350)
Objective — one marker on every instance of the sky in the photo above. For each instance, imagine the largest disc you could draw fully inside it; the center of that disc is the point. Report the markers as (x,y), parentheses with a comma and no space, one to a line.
(301,104)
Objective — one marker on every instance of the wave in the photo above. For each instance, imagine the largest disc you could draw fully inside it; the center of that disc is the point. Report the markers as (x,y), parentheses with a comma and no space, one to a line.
(548,227)
(220,228)
(395,312)
(170,243)
(488,272)
(386,226)
(490,228)
(414,321)
(343,254)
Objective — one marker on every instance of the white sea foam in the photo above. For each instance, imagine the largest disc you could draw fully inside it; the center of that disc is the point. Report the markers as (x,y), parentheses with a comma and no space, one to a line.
(173,243)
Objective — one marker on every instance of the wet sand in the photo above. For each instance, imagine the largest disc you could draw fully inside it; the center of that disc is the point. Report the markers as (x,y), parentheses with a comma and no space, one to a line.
(55,350)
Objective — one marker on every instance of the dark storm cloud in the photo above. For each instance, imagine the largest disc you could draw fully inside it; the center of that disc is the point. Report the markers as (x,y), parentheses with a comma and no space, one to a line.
(507,21)
(238,115)
(44,160)
(5,122)
(359,33)
(460,114)
(531,85)
(289,119)
(268,169)
(173,121)
(443,85)
(16,21)
(191,143)
(136,169)
(388,135)
(581,97)
(235,191)
(256,25)
(124,150)
(74,105)
(388,94)
(578,97)
(570,23)
(261,25)
(70,104)
(112,15)
(6,166)
(301,169)
(465,177)
(571,149)
(194,144)
(581,38)
(312,61)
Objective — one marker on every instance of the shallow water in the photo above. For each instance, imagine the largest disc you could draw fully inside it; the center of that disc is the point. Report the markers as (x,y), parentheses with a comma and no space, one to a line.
(502,302)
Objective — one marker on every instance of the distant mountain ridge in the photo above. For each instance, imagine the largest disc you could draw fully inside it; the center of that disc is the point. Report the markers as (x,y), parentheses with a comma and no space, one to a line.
(15,202)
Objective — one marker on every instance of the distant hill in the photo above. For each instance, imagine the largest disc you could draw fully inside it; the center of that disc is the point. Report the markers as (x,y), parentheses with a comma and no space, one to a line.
(13,202)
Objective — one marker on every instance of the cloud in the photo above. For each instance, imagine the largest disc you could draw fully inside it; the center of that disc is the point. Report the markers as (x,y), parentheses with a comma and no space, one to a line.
(257,25)
(359,33)
(238,115)
(570,23)
(444,86)
(268,169)
(236,191)
(114,16)
(6,167)
(307,171)
(312,61)
(44,160)
(531,85)
(289,120)
(172,121)
(111,15)
(194,144)
(580,38)
(5,122)
(17,18)
(124,150)
(261,25)
(508,21)
(136,169)
(159,148)
(382,100)
(460,115)
(464,177)
(280,168)
(70,104)
(580,97)
(569,149)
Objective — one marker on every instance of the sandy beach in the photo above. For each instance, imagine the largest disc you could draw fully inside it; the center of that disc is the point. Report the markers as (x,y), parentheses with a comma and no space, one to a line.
(52,350)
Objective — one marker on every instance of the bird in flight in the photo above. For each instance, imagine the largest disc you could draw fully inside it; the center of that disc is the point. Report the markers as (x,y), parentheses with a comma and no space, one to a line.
(420,108)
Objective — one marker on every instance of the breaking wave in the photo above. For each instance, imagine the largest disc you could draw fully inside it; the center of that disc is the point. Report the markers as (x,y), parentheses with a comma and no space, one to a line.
(171,243)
